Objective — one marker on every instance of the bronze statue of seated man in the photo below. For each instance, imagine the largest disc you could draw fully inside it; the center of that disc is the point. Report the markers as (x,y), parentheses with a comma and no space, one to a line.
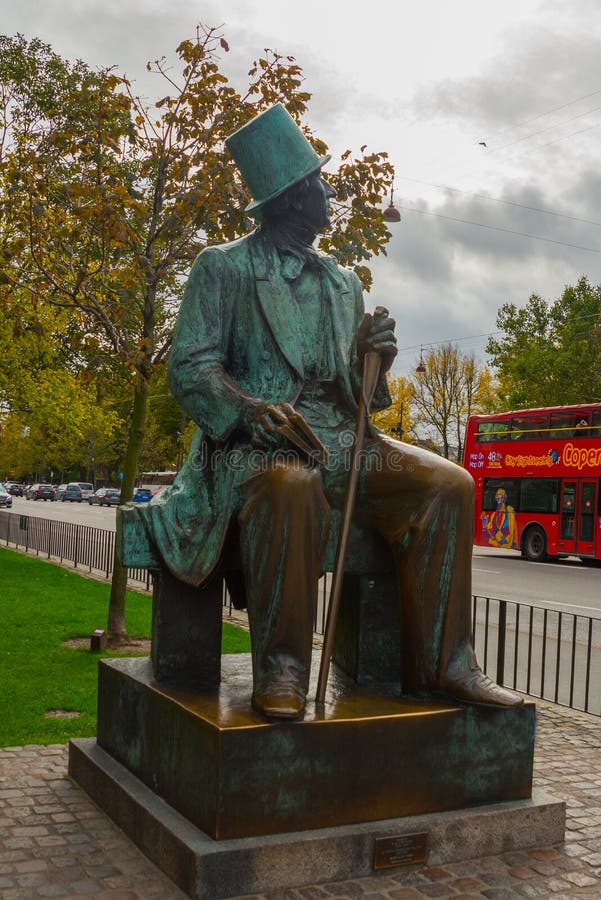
(267,360)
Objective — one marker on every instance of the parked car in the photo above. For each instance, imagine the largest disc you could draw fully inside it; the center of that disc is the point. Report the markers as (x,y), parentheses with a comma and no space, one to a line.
(105,496)
(142,495)
(112,497)
(86,489)
(5,497)
(97,496)
(72,493)
(14,488)
(40,492)
(59,491)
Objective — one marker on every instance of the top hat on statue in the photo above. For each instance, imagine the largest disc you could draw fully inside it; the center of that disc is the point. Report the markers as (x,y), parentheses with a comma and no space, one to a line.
(272,154)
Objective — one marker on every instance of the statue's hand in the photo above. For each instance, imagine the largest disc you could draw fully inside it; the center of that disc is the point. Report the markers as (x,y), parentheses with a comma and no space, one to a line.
(376,332)
(263,421)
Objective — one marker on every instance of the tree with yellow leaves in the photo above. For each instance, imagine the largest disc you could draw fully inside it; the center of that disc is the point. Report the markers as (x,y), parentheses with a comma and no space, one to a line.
(398,420)
(451,387)
(108,198)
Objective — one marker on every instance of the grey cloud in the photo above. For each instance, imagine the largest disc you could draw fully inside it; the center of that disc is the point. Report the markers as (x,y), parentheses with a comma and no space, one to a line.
(585,194)
(536,72)
(444,280)
(416,245)
(519,228)
(80,29)
(129,34)
(124,34)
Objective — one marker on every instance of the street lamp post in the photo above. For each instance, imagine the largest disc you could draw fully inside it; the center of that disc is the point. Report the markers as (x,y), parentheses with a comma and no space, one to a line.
(398,428)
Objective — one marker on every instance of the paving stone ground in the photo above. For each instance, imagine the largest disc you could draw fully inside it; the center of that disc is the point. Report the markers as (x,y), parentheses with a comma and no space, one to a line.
(55,843)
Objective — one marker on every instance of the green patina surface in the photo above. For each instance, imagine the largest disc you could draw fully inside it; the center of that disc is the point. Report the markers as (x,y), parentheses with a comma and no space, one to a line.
(235,775)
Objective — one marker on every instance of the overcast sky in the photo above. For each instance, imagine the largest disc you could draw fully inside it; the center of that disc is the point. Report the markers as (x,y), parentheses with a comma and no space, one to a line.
(427,81)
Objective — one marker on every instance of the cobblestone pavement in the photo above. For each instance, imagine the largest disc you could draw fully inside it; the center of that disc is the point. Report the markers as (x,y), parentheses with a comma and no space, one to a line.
(55,843)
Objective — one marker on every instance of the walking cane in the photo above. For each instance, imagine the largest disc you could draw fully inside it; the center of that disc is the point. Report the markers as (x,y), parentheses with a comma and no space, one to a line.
(371,371)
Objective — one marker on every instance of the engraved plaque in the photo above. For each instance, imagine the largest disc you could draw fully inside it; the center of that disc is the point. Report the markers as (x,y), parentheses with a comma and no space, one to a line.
(402,850)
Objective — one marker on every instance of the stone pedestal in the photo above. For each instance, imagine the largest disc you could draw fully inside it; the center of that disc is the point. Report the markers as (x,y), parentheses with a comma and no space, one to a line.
(229,804)
(368,755)
(203,867)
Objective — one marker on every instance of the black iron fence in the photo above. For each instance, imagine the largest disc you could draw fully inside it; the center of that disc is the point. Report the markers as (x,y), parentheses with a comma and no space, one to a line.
(550,654)
(84,546)
(547,653)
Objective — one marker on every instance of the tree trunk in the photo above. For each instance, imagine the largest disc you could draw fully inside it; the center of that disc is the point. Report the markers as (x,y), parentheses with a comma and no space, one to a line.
(117,632)
(459,435)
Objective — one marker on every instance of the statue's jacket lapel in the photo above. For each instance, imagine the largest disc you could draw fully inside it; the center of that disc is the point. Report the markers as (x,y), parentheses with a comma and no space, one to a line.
(277,304)
(283,318)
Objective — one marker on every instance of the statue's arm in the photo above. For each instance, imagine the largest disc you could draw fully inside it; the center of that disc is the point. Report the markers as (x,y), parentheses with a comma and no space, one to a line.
(197,370)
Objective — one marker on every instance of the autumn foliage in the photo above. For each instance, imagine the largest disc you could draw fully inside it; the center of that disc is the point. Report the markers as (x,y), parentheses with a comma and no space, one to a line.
(105,200)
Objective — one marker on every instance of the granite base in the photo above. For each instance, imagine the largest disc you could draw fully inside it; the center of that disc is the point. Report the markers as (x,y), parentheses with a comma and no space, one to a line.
(206,868)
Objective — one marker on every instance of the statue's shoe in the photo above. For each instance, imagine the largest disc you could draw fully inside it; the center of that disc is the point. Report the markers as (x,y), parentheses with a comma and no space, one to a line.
(478,689)
(280,700)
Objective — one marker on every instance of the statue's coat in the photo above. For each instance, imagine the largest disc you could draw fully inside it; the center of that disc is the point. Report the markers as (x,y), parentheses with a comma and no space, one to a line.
(238,338)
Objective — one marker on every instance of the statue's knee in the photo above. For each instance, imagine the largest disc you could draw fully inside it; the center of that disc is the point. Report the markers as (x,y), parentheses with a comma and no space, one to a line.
(466,482)
(458,483)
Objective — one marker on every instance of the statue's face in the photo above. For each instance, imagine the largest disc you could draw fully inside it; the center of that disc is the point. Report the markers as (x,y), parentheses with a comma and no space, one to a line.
(316,202)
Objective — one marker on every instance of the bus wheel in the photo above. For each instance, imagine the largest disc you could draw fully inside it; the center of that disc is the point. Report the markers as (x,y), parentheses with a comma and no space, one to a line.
(534,544)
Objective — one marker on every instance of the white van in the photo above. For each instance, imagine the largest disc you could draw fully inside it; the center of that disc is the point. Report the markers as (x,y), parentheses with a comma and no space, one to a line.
(86,489)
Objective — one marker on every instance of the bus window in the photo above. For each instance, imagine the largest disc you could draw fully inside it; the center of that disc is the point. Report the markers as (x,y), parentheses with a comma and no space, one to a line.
(511,486)
(587,511)
(568,504)
(539,495)
(563,424)
(596,423)
(582,430)
(489,432)
(529,427)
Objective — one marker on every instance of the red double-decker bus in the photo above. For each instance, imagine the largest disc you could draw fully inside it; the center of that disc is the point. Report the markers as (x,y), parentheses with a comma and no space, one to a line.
(538,480)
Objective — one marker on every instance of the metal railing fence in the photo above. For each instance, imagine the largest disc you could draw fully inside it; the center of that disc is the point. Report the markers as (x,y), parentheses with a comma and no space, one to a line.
(85,546)
(550,654)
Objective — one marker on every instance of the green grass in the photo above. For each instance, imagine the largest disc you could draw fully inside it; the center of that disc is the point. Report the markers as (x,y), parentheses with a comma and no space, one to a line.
(42,605)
